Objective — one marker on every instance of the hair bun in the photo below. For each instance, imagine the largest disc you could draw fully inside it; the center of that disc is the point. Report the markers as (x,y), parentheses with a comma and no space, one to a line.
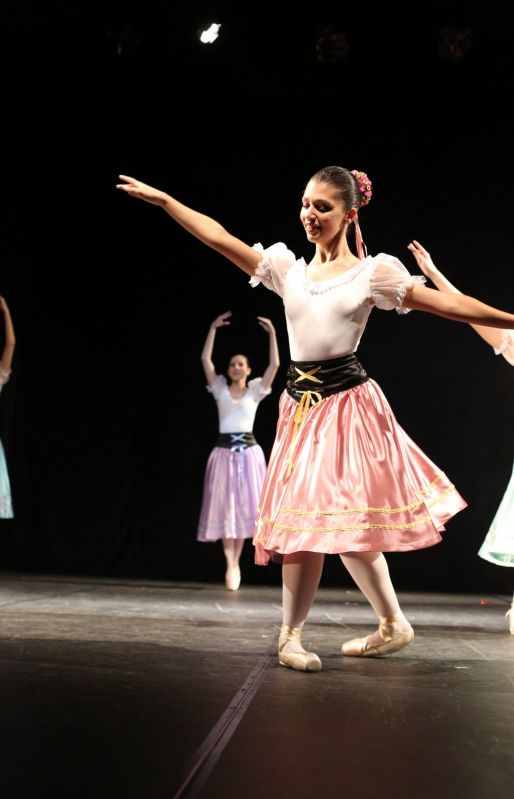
(364,184)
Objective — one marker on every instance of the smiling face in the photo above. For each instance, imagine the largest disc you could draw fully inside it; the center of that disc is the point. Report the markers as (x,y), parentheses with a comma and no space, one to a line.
(323,214)
(238,368)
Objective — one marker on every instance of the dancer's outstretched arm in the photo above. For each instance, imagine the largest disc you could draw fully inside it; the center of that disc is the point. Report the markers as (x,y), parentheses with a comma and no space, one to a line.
(492,336)
(10,340)
(203,227)
(454,305)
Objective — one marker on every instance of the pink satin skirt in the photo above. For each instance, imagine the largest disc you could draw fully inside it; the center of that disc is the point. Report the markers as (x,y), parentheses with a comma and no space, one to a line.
(357,482)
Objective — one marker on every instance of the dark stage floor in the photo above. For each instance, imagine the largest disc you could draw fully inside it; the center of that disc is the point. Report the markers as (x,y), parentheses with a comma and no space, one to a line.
(156,690)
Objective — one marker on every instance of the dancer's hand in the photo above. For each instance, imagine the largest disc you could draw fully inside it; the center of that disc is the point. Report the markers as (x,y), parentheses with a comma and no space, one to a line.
(141,190)
(221,320)
(423,258)
(267,324)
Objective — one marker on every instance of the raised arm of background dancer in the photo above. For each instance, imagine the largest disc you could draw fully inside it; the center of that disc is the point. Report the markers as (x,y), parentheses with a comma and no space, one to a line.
(10,340)
(492,335)
(203,227)
(458,307)
(274,359)
(206,356)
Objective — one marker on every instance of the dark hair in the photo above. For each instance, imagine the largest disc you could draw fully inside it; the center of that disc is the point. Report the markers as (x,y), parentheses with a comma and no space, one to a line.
(342,180)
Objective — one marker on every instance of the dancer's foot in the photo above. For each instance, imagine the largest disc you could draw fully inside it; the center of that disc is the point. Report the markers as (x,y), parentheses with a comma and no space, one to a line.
(232,578)
(394,633)
(510,618)
(291,652)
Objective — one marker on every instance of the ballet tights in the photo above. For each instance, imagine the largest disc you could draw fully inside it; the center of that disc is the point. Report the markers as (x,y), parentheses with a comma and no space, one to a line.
(301,573)
(510,617)
(232,547)
(370,572)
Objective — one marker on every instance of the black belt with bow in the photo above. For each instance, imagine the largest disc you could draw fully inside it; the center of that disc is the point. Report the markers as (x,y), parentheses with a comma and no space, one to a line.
(237,442)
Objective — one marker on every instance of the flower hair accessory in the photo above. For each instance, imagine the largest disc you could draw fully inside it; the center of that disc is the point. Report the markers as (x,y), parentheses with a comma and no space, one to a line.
(364,184)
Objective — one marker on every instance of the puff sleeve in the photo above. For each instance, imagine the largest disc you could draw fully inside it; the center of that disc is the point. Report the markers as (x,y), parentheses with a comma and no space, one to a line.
(272,270)
(4,377)
(256,391)
(217,387)
(389,283)
(506,347)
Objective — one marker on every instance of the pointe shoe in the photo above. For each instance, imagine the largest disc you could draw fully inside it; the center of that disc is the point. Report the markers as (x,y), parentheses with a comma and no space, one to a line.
(510,616)
(300,661)
(232,578)
(393,641)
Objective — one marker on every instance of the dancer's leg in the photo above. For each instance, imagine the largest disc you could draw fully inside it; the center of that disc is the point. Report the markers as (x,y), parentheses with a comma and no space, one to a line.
(510,617)
(301,573)
(370,572)
(232,547)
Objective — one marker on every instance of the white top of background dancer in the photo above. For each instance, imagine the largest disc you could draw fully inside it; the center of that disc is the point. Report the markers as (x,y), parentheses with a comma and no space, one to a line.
(237,415)
(506,347)
(237,403)
(4,377)
(326,318)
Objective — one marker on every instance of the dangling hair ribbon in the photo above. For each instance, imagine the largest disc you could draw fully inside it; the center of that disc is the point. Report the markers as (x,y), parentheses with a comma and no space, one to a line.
(362,252)
(365,190)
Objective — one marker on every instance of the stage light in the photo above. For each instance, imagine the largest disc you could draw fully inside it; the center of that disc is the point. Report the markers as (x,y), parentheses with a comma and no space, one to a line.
(211,34)
(455,43)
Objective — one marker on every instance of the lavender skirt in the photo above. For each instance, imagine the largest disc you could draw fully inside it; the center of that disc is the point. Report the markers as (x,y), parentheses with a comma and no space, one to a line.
(231,491)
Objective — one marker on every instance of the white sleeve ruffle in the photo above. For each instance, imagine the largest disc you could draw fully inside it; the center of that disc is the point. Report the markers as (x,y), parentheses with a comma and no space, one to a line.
(389,283)
(217,387)
(272,270)
(256,390)
(4,377)
(506,347)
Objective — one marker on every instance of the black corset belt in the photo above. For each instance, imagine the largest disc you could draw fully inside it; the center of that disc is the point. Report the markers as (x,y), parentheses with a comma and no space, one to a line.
(236,441)
(309,382)
(323,378)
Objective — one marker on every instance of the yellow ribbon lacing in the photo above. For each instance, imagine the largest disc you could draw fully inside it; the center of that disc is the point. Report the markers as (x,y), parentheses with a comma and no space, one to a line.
(308,400)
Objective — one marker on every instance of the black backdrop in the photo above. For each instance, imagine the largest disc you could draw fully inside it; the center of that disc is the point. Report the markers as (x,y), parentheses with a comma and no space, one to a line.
(106,422)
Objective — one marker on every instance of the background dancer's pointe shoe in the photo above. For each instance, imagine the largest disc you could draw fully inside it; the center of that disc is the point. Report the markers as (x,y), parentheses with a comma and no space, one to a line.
(300,661)
(232,578)
(392,641)
(510,616)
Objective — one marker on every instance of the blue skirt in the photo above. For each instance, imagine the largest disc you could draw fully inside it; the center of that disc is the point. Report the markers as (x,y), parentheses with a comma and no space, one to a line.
(5,488)
(498,546)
